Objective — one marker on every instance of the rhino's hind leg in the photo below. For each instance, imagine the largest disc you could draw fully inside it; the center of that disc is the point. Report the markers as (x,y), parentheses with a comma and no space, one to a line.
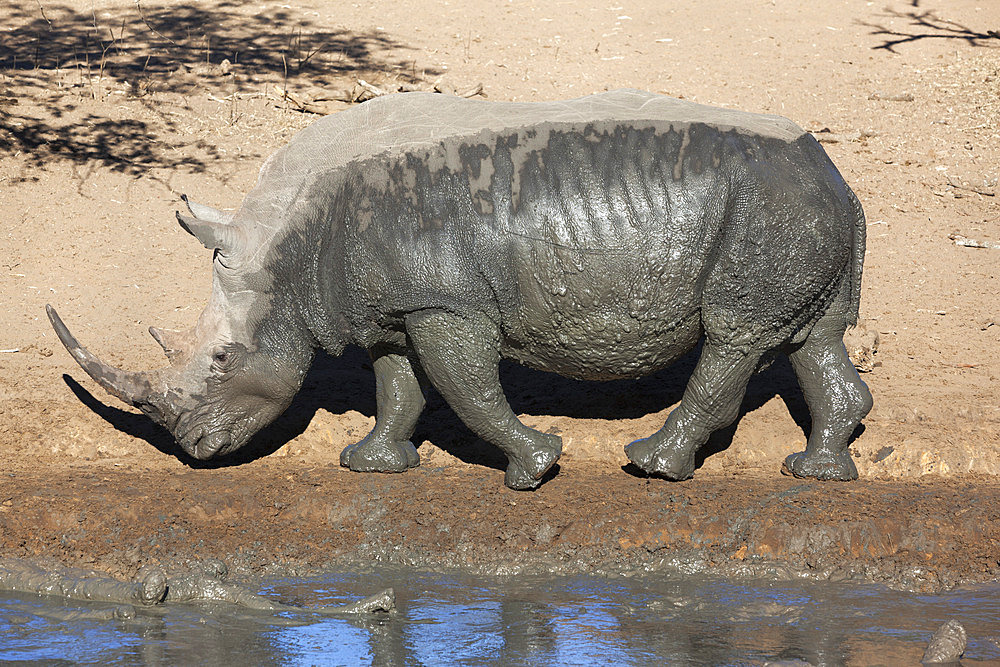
(711,401)
(399,402)
(461,357)
(837,398)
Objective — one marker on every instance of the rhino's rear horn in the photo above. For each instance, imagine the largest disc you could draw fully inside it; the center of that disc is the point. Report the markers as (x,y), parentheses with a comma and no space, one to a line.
(170,341)
(133,388)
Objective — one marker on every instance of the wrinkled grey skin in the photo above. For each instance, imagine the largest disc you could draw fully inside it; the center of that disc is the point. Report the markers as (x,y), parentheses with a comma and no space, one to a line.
(597,238)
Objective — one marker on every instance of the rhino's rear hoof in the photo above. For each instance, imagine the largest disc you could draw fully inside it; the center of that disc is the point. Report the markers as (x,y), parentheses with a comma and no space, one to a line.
(655,459)
(826,466)
(374,456)
(524,474)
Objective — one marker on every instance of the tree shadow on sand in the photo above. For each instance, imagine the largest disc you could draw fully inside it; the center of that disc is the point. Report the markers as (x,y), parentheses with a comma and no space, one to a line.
(927,24)
(342,384)
(55,58)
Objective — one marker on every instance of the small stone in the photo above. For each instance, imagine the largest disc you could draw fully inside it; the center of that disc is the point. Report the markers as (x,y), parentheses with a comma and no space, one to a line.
(862,345)
(947,645)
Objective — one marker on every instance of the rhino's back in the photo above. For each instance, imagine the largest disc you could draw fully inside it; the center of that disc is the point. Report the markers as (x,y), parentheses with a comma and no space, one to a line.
(411,121)
(434,128)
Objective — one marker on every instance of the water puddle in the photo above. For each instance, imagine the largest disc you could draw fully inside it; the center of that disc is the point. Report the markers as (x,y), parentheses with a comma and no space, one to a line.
(445,619)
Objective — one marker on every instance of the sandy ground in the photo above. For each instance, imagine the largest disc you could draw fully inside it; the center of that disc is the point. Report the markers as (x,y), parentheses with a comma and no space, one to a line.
(109,111)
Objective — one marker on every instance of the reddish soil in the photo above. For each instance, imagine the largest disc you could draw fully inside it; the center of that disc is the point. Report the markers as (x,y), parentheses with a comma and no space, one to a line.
(280,518)
(108,114)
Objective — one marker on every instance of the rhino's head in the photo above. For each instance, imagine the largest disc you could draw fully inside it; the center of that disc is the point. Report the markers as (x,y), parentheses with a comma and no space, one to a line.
(230,375)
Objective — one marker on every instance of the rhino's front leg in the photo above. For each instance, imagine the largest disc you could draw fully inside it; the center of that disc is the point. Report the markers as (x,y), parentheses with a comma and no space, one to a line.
(399,401)
(461,355)
(711,401)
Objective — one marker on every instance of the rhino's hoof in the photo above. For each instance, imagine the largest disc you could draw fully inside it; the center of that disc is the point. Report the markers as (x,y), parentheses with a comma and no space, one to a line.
(822,466)
(525,473)
(371,455)
(656,459)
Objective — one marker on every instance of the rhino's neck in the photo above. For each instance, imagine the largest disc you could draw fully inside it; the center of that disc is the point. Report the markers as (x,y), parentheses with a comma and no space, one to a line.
(304,258)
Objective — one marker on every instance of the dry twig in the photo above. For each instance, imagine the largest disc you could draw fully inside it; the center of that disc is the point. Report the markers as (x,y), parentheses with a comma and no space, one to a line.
(972,243)
(986,190)
(151,28)
(328,101)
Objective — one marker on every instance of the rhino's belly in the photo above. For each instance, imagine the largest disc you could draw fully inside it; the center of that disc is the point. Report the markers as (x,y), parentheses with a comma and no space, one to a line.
(603,346)
(622,306)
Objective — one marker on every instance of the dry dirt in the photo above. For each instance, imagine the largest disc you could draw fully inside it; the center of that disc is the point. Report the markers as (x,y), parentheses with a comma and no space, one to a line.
(110,110)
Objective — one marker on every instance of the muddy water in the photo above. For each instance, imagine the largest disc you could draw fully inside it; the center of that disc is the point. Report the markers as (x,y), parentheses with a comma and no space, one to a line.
(458,619)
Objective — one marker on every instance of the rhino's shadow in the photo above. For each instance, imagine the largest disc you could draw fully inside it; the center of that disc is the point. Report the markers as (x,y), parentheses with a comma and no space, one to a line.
(136,425)
(337,385)
(347,383)
(342,384)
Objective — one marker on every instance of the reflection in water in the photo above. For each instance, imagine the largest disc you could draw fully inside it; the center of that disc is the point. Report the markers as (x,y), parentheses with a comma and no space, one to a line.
(459,619)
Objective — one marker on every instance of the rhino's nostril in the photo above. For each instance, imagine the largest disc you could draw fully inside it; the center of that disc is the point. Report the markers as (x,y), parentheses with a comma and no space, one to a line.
(210,445)
(189,440)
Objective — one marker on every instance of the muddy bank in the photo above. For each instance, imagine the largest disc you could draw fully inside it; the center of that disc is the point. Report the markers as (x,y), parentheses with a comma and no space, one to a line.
(271,518)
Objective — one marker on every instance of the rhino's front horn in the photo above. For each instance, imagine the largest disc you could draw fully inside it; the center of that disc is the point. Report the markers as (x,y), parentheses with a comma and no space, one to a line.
(133,388)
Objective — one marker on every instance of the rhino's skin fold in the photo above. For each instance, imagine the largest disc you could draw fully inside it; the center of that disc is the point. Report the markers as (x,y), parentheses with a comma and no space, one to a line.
(598,238)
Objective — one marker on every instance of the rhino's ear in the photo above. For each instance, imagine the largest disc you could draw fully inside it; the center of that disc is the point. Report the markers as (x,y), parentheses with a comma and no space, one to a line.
(227,239)
(207,213)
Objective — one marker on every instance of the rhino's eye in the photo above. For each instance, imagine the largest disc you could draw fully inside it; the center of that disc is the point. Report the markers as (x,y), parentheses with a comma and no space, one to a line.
(227,356)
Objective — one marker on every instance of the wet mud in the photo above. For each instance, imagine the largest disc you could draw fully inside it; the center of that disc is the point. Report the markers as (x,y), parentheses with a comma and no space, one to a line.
(275,518)
(154,586)
(452,617)
(23,577)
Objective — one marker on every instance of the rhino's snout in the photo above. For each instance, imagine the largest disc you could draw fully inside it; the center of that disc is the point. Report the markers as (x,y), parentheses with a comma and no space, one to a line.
(212,444)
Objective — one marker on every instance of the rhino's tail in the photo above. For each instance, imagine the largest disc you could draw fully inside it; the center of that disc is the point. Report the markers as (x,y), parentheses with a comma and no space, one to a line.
(857,257)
